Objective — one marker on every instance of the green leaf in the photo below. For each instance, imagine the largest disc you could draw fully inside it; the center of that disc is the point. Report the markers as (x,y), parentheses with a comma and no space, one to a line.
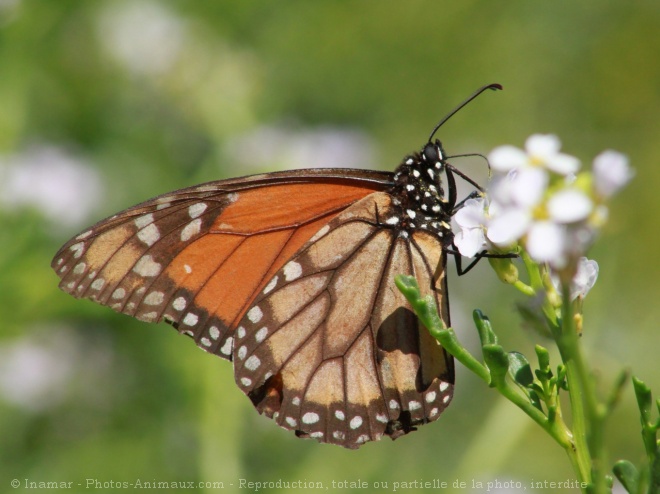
(485,328)
(497,361)
(644,398)
(627,475)
(520,370)
(544,357)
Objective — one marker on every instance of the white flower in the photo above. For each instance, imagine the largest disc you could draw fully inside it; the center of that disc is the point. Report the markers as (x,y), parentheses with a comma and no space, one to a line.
(472,219)
(569,205)
(520,187)
(584,279)
(611,172)
(546,242)
(540,151)
(538,199)
(508,227)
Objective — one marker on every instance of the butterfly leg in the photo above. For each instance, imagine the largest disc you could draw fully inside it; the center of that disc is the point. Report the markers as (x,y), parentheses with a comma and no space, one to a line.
(481,255)
(472,195)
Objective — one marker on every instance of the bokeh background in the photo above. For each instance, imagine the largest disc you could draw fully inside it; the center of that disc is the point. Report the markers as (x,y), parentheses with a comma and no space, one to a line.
(105,104)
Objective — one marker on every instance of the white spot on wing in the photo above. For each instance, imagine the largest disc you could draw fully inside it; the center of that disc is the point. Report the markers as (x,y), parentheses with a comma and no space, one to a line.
(191,229)
(320,233)
(98,283)
(149,234)
(242,352)
(146,266)
(226,348)
(214,332)
(430,397)
(340,415)
(119,293)
(190,319)
(292,271)
(443,387)
(355,422)
(154,298)
(246,381)
(291,421)
(205,341)
(252,363)
(240,332)
(77,249)
(414,405)
(179,303)
(144,220)
(261,334)
(271,284)
(255,314)
(197,209)
(80,267)
(310,418)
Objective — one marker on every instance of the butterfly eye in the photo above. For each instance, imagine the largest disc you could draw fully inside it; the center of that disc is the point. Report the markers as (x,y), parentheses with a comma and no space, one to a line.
(431,153)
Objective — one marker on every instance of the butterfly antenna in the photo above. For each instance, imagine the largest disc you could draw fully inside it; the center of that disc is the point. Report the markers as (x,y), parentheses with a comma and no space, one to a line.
(451,113)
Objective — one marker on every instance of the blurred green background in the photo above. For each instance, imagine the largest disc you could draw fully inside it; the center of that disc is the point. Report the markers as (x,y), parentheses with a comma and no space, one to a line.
(105,104)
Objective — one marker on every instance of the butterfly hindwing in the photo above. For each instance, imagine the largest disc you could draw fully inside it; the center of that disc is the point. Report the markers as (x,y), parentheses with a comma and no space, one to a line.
(331,349)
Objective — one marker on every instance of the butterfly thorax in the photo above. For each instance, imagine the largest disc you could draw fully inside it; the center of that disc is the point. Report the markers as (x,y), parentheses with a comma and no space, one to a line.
(420,201)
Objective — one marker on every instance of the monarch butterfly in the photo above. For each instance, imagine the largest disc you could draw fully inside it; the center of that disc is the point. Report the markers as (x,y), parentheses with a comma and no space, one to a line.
(290,275)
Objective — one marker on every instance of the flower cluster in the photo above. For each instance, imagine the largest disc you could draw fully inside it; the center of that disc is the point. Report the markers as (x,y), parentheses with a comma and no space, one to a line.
(541,201)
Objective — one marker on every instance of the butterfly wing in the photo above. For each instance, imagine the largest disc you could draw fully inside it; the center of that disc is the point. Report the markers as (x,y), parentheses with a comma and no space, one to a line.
(331,349)
(196,258)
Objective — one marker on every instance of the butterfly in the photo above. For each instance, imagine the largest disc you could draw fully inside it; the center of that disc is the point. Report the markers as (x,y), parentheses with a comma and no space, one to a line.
(290,275)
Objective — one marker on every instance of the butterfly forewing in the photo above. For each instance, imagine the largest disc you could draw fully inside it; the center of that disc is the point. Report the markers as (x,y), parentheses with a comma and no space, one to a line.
(196,258)
(331,349)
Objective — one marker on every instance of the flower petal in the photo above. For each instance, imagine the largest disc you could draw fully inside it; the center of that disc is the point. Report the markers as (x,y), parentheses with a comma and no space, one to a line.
(611,172)
(508,226)
(470,241)
(585,278)
(569,206)
(545,242)
(505,158)
(561,163)
(542,146)
(528,186)
(471,215)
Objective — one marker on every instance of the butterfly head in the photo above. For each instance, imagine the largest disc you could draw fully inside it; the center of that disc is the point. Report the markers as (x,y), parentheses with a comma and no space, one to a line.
(434,155)
(419,188)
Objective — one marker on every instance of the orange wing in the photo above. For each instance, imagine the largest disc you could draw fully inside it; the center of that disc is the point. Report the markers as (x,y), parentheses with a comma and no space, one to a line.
(197,258)
(331,349)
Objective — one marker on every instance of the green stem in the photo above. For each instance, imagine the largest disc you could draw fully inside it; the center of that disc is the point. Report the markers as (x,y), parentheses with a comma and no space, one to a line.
(587,413)
(448,340)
